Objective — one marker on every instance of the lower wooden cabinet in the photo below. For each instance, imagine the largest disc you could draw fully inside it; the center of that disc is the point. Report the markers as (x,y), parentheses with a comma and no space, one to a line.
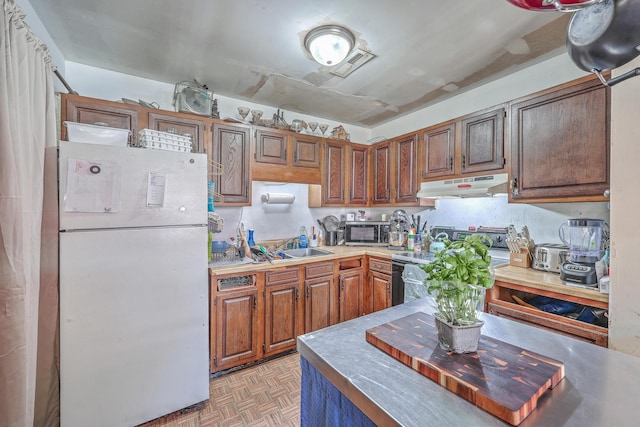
(282,310)
(377,295)
(350,294)
(318,285)
(237,329)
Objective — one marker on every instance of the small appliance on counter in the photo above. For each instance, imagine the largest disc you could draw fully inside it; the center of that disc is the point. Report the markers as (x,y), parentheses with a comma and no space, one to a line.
(584,239)
(398,225)
(366,233)
(550,257)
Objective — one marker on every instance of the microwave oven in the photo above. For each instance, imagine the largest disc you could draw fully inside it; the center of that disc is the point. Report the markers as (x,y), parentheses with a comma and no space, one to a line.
(366,233)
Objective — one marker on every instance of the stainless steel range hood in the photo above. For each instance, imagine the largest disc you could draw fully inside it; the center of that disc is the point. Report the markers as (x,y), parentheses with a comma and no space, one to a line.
(477,186)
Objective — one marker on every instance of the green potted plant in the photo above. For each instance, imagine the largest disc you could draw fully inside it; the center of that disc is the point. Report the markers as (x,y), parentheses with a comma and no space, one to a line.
(458,278)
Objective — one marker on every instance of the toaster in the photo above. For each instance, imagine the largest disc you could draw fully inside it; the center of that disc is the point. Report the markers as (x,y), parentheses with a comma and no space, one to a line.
(550,257)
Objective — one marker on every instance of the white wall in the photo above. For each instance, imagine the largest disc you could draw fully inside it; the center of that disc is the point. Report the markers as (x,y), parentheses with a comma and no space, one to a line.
(104,84)
(624,323)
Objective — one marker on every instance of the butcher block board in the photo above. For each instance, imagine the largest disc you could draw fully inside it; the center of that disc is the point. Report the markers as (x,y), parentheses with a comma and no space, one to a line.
(500,378)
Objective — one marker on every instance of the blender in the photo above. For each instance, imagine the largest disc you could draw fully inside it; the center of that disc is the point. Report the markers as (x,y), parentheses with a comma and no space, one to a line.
(584,238)
(398,223)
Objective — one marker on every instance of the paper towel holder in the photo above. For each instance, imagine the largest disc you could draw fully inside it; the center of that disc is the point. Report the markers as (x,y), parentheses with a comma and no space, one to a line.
(278,198)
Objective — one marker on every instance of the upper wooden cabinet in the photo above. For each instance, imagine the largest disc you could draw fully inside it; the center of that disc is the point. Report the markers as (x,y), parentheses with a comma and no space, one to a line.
(334,173)
(230,148)
(438,151)
(560,143)
(381,173)
(271,147)
(406,169)
(95,111)
(358,171)
(306,151)
(286,157)
(483,141)
(181,126)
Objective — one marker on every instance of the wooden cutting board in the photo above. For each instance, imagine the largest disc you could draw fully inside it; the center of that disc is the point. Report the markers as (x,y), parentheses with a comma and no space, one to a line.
(500,378)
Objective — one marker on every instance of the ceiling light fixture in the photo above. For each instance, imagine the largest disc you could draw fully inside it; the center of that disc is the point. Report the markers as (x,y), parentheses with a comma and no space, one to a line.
(329,44)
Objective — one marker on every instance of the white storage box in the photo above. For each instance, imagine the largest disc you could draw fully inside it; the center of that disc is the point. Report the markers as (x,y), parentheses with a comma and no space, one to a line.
(93,134)
(164,140)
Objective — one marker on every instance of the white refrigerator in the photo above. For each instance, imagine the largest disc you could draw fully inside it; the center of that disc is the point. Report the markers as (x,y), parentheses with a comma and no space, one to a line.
(133,283)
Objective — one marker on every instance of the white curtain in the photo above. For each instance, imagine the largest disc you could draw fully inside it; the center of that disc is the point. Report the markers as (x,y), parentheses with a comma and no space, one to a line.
(28,302)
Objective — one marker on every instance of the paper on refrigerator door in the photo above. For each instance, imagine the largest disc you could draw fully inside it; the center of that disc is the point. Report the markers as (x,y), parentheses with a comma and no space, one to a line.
(156,185)
(93,186)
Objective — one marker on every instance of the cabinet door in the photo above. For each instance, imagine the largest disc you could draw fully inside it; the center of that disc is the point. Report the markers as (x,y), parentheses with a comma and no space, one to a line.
(317,311)
(358,175)
(560,143)
(381,154)
(180,126)
(281,314)
(406,169)
(439,151)
(334,173)
(88,111)
(271,147)
(381,290)
(231,150)
(482,142)
(350,294)
(306,151)
(237,328)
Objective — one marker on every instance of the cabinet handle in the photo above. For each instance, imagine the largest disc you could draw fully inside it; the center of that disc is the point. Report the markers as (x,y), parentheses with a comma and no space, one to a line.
(297,294)
(255,303)
(464,161)
(450,163)
(308,292)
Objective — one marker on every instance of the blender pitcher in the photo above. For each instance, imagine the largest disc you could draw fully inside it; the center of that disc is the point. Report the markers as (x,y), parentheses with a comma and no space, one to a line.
(584,239)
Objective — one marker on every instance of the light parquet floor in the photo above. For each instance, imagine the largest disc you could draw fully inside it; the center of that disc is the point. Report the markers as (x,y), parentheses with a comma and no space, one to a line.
(263,395)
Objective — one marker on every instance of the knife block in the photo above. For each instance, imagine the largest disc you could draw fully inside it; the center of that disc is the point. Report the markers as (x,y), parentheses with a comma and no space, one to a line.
(520,259)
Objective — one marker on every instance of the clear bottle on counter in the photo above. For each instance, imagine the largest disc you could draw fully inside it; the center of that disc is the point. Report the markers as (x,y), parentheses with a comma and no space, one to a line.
(410,240)
(302,240)
(320,237)
(417,244)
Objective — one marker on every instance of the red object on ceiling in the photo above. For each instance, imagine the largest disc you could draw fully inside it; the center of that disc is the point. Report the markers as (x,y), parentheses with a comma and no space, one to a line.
(546,5)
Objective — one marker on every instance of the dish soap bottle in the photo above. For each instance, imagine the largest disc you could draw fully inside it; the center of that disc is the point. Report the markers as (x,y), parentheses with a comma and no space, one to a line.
(250,241)
(410,242)
(302,240)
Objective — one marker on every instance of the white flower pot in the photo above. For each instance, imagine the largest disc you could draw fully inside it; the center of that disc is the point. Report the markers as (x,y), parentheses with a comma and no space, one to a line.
(458,339)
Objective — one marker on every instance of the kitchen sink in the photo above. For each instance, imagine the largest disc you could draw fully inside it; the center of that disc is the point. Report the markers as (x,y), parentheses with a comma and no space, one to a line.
(307,252)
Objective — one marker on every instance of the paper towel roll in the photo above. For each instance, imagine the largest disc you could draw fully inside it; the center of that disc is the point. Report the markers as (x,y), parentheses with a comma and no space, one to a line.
(278,198)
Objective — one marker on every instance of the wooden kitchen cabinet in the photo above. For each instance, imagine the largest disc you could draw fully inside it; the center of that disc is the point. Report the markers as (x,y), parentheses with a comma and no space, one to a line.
(350,288)
(235,314)
(483,141)
(283,156)
(358,170)
(377,295)
(81,109)
(381,173)
(334,173)
(560,148)
(271,146)
(230,148)
(319,296)
(438,151)
(306,151)
(181,126)
(406,169)
(283,310)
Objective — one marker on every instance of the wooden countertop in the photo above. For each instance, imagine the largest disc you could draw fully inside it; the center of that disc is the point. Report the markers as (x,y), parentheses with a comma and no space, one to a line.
(338,253)
(545,281)
(517,275)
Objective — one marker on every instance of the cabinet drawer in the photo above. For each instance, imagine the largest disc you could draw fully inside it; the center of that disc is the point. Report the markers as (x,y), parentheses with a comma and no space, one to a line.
(318,270)
(573,328)
(284,276)
(379,265)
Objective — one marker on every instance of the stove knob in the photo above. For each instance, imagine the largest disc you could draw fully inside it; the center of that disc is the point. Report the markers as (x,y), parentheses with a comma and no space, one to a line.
(498,239)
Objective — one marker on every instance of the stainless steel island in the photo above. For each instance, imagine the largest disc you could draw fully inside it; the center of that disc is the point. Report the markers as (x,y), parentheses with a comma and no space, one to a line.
(601,386)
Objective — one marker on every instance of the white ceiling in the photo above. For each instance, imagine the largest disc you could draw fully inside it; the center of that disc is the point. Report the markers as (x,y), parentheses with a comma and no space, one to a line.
(252,49)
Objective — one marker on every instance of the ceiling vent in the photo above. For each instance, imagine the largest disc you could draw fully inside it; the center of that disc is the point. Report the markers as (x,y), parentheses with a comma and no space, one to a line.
(352,62)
